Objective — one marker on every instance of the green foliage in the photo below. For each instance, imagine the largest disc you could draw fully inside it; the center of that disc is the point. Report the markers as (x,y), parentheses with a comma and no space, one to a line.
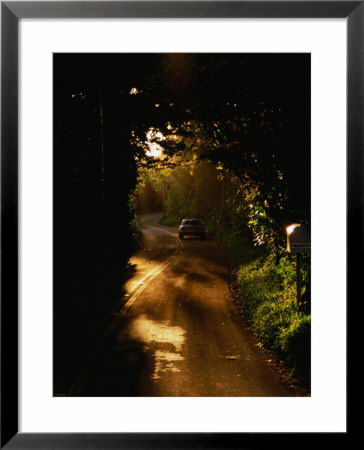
(257,283)
(296,341)
(286,272)
(168,221)
(239,244)
(268,299)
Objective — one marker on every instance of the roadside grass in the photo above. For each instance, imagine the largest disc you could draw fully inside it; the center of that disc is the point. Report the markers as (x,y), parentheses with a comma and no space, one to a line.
(169,221)
(267,298)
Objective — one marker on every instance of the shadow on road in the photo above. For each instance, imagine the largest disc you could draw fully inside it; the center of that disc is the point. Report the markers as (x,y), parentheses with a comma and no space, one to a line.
(83,304)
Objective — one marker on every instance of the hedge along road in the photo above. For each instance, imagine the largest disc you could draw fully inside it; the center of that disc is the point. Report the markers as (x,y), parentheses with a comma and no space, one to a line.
(177,332)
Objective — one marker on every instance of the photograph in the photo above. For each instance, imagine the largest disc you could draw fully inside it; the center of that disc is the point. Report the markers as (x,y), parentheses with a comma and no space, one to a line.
(165,166)
(182,224)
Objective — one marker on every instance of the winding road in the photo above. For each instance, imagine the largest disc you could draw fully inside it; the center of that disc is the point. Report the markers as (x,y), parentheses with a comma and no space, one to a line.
(176,331)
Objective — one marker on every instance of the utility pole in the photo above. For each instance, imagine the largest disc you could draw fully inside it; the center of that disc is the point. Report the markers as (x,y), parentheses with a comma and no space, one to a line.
(298,241)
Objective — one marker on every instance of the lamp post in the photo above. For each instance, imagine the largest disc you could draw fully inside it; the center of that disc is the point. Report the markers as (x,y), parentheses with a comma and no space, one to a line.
(298,241)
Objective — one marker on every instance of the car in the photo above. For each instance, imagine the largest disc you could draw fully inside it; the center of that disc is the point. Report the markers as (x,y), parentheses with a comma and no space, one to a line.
(192,227)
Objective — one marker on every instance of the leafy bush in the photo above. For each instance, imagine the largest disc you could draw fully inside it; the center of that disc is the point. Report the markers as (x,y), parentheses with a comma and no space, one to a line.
(169,221)
(269,302)
(256,283)
(296,342)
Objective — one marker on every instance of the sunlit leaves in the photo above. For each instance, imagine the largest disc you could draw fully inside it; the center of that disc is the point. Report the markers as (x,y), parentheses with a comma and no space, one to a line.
(134,91)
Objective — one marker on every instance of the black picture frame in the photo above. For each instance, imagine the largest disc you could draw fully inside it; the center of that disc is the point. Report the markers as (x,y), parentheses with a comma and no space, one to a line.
(11,12)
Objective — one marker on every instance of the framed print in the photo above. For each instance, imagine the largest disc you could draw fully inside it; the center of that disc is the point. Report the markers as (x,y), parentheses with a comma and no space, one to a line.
(207,73)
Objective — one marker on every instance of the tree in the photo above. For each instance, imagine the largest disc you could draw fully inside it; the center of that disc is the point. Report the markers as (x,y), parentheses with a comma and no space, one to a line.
(248,114)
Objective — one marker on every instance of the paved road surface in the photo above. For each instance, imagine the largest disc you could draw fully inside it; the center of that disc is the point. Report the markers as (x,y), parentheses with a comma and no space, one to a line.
(177,332)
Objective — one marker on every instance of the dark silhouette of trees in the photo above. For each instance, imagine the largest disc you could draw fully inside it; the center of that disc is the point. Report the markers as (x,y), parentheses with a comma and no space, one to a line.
(95,171)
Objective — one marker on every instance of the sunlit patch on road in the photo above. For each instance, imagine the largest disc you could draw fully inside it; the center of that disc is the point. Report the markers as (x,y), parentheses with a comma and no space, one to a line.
(164,362)
(164,338)
(148,331)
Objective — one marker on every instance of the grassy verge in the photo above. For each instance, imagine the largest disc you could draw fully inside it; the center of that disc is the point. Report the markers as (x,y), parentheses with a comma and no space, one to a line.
(169,221)
(267,296)
(271,309)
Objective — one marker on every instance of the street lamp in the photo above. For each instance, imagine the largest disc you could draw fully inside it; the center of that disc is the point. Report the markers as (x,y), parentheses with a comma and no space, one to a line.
(298,241)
